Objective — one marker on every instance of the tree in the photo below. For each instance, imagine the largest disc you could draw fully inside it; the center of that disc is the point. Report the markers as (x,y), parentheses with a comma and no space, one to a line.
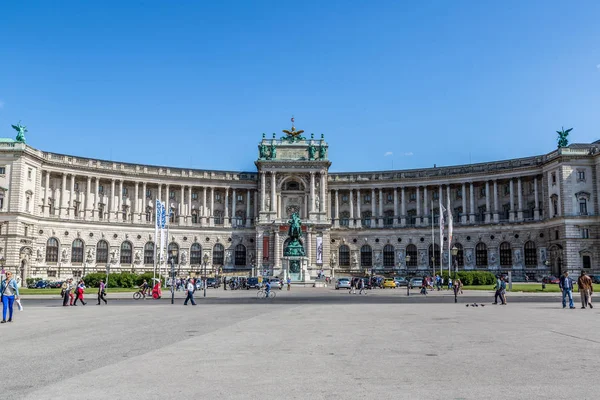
(562,137)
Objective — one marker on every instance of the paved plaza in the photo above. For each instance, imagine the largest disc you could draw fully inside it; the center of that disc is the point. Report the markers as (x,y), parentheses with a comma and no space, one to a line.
(317,347)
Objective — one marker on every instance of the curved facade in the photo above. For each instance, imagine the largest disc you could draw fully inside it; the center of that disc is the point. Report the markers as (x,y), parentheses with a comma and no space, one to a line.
(64,216)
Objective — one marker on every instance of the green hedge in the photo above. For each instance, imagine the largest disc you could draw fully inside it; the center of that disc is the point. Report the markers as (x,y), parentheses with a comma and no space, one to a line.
(473,278)
(123,279)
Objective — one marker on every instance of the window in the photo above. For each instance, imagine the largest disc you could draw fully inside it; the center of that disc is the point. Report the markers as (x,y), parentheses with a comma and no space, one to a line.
(367,199)
(344,255)
(388,256)
(388,219)
(76,273)
(585,233)
(505,254)
(434,255)
(77,251)
(148,193)
(218,217)
(582,207)
(171,215)
(554,200)
(194,216)
(459,193)
(52,250)
(411,255)
(29,172)
(580,175)
(100,188)
(390,198)
(102,252)
(481,255)
(436,195)
(76,186)
(27,202)
(100,211)
(240,255)
(25,230)
(344,198)
(556,234)
(2,202)
(293,185)
(553,178)
(366,256)
(149,253)
(173,253)
(218,254)
(124,212)
(344,218)
(587,262)
(196,254)
(482,191)
(51,274)
(172,194)
(506,189)
(530,254)
(239,198)
(460,255)
(148,214)
(126,253)
(412,196)
(125,191)
(194,195)
(218,197)
(366,218)
(76,207)
(2,170)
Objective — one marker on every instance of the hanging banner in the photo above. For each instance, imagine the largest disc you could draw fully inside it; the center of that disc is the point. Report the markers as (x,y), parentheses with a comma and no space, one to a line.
(157,219)
(319,250)
(265,248)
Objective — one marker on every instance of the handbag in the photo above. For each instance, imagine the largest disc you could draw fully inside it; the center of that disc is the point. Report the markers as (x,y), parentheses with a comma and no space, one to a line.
(19,305)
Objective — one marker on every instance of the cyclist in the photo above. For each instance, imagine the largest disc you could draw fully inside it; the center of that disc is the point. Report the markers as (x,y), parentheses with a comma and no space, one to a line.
(144,288)
(267,288)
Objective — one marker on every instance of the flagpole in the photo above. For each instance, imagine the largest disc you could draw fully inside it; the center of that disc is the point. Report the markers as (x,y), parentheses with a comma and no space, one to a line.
(156,240)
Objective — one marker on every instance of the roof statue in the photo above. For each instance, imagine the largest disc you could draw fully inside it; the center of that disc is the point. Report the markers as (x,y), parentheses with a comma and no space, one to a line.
(21,130)
(562,137)
(293,135)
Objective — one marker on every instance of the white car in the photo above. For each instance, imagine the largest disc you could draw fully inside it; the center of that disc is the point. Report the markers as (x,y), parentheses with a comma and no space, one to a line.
(343,283)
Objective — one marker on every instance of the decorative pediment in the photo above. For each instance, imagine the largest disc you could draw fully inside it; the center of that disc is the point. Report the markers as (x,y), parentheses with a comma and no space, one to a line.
(583,195)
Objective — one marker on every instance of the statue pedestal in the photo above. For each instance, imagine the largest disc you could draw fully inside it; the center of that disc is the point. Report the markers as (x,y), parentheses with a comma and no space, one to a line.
(296,268)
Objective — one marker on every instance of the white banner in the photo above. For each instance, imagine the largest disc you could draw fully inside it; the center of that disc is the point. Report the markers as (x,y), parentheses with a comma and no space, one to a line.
(319,250)
(157,218)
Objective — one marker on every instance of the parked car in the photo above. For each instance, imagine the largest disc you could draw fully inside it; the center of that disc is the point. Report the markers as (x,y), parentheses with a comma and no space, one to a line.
(400,281)
(595,278)
(213,282)
(56,285)
(342,283)
(275,283)
(415,283)
(551,279)
(42,285)
(252,283)
(389,283)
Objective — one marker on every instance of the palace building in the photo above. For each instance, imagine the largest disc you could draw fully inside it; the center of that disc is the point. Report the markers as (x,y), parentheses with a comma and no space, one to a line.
(64,215)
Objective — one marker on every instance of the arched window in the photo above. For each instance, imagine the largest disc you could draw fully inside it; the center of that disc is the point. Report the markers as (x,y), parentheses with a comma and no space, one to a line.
(388,256)
(102,252)
(240,255)
(77,251)
(411,251)
(434,253)
(173,251)
(344,255)
(366,256)
(530,254)
(460,255)
(126,252)
(218,254)
(196,254)
(481,255)
(505,254)
(52,250)
(149,253)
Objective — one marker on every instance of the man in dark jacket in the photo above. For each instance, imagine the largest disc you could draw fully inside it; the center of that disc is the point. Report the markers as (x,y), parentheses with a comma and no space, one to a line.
(566,286)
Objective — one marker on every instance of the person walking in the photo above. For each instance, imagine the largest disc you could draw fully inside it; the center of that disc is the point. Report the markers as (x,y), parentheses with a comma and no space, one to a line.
(9,291)
(566,287)
(67,287)
(503,290)
(191,287)
(498,288)
(79,293)
(289,283)
(102,292)
(361,286)
(586,288)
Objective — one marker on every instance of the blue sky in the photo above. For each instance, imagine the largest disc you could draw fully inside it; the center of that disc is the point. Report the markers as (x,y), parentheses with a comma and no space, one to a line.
(195,83)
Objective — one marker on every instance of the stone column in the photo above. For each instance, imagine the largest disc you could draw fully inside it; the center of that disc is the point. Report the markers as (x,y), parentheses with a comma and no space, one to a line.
(255,213)
(96,209)
(511,213)
(418,219)
(142,210)
(168,197)
(276,250)
(88,194)
(204,213)
(233,204)
(135,205)
(182,212)
(323,197)
(111,200)
(463,217)
(46,209)
(72,198)
(63,194)
(373,209)
(536,211)
(211,211)
(262,191)
(520,200)
(472,200)
(396,220)
(273,196)
(160,192)
(312,192)
(403,207)
(226,218)
(351,199)
(189,206)
(488,213)
(380,214)
(120,201)
(309,247)
(248,208)
(425,206)
(337,209)
(496,216)
(358,205)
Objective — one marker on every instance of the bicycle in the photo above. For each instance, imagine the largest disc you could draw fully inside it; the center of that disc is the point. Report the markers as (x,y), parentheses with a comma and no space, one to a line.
(262,294)
(138,295)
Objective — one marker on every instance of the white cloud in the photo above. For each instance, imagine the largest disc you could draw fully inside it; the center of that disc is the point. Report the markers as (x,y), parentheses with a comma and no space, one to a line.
(408,154)
(388,153)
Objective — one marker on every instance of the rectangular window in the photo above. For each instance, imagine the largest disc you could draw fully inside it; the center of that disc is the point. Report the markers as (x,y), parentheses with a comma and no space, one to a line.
(218,196)
(25,230)
(506,190)
(100,188)
(390,198)
(76,209)
(171,195)
(459,193)
(585,233)
(413,196)
(76,186)
(582,207)
(344,198)
(148,193)
(76,274)
(239,198)
(51,274)
(436,195)
(29,173)
(553,178)
(100,211)
(482,191)
(587,262)
(367,199)
(125,191)
(580,175)
(2,170)
(194,195)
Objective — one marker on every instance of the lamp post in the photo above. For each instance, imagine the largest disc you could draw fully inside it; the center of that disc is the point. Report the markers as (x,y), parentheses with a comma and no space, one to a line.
(205,259)
(454,252)
(408,285)
(172,262)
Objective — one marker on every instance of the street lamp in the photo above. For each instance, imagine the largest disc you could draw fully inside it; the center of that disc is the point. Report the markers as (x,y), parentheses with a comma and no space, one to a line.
(454,252)
(408,285)
(205,259)
(172,262)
